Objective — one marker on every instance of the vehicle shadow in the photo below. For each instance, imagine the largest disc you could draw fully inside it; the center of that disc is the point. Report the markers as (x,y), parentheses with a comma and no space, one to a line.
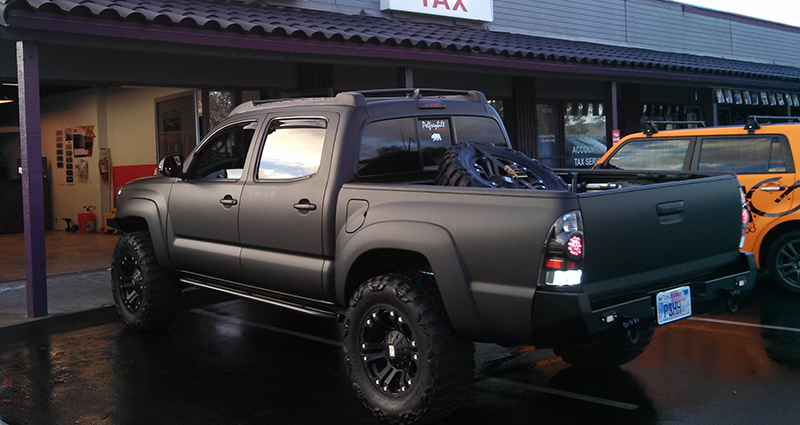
(780,318)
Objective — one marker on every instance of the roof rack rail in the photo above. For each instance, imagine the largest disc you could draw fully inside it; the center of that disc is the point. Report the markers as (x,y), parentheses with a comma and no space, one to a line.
(472,95)
(651,128)
(753,124)
(345,98)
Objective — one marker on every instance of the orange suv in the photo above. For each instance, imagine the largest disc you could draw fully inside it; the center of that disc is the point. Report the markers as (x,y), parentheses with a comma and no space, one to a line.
(762,153)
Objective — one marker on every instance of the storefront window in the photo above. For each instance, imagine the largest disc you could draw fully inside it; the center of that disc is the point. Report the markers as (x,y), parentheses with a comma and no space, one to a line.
(548,135)
(220,105)
(585,133)
(177,124)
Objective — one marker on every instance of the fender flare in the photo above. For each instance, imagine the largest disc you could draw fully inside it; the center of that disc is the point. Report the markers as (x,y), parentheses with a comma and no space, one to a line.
(436,244)
(149,211)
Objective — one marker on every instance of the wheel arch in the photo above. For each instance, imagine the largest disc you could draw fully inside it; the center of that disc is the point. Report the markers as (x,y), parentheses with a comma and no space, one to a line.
(769,238)
(143,215)
(402,246)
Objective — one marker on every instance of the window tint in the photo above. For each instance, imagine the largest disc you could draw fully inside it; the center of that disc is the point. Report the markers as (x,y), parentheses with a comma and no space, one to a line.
(293,149)
(740,155)
(650,154)
(479,130)
(223,156)
(389,147)
(777,164)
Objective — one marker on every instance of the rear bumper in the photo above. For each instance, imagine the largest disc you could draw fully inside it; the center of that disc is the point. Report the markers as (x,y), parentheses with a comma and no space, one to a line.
(564,318)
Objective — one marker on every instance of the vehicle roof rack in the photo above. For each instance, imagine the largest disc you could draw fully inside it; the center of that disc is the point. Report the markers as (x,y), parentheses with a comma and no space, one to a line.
(753,124)
(651,128)
(358,98)
(472,95)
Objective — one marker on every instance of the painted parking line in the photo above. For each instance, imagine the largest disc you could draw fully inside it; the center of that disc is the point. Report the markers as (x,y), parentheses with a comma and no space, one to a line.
(266,327)
(562,393)
(749,325)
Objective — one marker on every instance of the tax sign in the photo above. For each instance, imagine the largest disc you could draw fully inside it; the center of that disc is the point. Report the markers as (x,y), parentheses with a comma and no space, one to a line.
(477,10)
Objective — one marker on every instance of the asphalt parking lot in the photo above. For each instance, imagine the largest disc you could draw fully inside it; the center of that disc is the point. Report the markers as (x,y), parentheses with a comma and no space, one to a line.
(239,362)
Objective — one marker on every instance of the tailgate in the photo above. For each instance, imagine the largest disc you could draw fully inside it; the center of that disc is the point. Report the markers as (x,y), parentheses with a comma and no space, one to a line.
(653,236)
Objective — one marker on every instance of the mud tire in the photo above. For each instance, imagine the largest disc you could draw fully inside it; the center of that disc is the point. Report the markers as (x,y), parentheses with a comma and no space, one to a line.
(146,295)
(440,375)
(466,165)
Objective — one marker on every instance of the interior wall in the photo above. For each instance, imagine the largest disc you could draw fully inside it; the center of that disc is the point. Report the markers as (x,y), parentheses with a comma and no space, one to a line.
(58,113)
(131,116)
(125,123)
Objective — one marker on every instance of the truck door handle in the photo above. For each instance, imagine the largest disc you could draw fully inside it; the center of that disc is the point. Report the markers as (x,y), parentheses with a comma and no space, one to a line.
(772,188)
(304,206)
(228,201)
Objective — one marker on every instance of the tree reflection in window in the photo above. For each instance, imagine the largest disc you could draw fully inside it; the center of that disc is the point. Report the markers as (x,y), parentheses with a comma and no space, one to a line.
(220,105)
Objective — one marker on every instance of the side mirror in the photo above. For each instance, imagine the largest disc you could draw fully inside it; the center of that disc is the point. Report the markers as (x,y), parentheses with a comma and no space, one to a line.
(171,166)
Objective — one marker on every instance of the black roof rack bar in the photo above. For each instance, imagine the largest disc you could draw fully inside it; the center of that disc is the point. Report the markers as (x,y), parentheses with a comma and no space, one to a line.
(651,128)
(473,95)
(752,123)
(701,123)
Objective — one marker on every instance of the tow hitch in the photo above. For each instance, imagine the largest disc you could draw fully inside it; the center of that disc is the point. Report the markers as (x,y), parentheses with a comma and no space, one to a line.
(733,295)
(632,330)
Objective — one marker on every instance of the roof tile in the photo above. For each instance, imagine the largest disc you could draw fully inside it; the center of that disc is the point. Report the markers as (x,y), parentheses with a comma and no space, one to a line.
(263,19)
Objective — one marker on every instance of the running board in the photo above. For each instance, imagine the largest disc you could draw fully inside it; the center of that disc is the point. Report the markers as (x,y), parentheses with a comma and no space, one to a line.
(260,298)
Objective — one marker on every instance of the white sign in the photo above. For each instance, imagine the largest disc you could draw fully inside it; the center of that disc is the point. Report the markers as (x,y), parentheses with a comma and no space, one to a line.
(478,10)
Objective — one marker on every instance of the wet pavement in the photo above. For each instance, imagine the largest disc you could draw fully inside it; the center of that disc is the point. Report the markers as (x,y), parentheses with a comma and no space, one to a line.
(242,363)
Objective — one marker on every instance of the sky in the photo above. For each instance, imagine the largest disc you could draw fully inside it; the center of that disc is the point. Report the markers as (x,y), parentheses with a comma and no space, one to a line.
(783,11)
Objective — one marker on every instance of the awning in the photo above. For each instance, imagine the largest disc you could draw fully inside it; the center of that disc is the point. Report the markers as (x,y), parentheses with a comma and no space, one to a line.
(453,43)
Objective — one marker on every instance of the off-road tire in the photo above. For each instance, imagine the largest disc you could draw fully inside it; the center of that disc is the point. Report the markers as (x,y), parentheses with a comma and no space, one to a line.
(146,295)
(438,364)
(466,165)
(783,262)
(615,350)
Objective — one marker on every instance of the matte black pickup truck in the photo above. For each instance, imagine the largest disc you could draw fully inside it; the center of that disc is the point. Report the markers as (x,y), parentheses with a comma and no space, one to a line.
(405,215)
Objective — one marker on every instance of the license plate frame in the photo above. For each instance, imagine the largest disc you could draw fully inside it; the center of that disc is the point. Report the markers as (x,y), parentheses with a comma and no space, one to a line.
(674,304)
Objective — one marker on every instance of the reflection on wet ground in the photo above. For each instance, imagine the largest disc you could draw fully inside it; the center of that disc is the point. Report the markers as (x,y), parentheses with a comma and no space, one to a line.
(238,362)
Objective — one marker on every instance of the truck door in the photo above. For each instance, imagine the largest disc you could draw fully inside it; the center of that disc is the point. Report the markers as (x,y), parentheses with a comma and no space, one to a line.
(765,169)
(282,209)
(203,216)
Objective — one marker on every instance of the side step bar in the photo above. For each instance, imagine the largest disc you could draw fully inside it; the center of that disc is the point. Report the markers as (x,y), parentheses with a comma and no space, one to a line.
(260,298)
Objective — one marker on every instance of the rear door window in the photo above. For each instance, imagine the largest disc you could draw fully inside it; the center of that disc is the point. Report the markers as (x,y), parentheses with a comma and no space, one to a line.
(389,147)
(650,154)
(744,155)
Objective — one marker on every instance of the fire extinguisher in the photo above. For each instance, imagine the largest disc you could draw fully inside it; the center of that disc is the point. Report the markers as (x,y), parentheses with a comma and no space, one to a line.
(103,164)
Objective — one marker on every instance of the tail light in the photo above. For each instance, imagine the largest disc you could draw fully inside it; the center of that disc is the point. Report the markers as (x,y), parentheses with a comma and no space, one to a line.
(745,216)
(563,262)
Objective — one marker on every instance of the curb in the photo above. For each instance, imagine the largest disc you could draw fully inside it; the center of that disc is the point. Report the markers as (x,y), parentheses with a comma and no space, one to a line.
(191,297)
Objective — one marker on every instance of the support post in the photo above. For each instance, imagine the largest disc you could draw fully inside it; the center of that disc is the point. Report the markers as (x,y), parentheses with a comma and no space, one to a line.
(614,107)
(405,77)
(32,181)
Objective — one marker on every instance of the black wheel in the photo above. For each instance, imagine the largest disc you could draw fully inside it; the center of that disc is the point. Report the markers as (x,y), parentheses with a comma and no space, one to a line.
(783,262)
(146,295)
(485,165)
(615,350)
(402,354)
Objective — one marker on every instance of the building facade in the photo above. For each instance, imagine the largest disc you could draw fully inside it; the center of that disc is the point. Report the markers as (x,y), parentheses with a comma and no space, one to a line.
(150,77)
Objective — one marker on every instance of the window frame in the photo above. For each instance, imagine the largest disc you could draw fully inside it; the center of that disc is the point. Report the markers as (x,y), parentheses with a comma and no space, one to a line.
(786,151)
(262,144)
(423,170)
(687,158)
(194,158)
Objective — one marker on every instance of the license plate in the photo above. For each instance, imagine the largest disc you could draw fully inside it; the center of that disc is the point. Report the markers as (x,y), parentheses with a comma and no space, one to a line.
(674,304)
